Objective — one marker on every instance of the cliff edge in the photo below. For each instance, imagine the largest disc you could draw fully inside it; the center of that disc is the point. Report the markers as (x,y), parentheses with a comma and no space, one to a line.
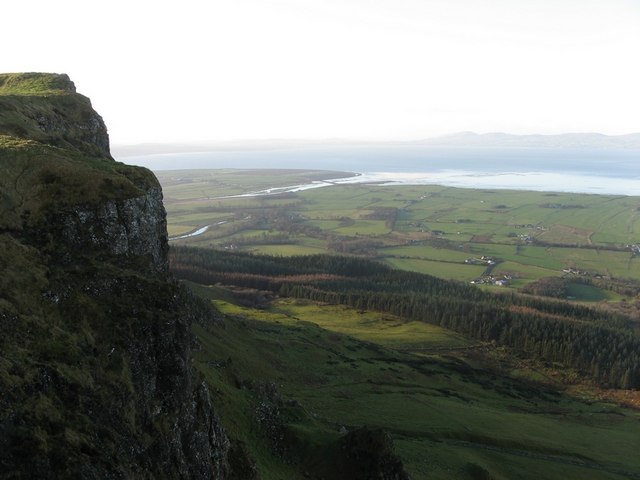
(95,364)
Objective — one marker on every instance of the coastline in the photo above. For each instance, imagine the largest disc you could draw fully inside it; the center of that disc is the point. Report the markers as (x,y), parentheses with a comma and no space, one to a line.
(530,181)
(600,172)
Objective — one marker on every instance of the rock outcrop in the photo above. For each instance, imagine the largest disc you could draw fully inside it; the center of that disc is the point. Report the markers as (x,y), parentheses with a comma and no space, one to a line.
(131,227)
(96,379)
(54,113)
(368,453)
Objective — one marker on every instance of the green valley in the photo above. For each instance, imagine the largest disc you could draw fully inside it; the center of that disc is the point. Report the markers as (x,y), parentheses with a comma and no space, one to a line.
(496,238)
(452,410)
(261,329)
(470,381)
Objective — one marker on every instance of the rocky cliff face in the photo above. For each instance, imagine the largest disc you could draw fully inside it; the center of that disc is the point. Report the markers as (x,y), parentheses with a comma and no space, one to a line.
(95,371)
(132,227)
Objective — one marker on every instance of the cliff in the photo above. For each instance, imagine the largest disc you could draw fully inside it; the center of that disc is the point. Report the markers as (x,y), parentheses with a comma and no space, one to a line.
(46,108)
(95,365)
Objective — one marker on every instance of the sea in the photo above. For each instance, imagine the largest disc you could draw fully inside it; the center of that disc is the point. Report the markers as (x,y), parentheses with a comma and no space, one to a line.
(596,171)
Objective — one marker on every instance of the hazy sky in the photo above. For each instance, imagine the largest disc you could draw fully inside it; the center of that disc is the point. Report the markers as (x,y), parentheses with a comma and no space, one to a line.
(191,70)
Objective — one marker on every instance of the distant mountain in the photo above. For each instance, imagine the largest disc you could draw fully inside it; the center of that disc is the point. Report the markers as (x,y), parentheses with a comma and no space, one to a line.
(461,139)
(565,140)
(123,150)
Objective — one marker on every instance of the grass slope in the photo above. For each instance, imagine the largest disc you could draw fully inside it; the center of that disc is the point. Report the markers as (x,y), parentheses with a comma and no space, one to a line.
(451,416)
(54,151)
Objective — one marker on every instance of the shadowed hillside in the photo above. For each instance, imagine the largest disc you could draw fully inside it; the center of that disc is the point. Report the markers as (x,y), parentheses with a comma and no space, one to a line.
(95,369)
(96,376)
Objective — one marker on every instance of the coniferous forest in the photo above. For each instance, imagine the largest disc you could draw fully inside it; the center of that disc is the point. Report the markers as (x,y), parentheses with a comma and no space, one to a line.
(599,344)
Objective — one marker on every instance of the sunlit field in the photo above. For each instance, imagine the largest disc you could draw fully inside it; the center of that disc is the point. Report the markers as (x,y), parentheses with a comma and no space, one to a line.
(442,231)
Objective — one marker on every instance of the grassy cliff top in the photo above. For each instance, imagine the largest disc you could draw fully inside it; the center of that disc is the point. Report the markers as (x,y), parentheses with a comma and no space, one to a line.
(54,151)
(45,107)
(36,84)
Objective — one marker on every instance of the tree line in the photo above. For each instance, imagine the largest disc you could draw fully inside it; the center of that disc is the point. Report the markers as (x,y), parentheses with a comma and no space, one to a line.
(599,344)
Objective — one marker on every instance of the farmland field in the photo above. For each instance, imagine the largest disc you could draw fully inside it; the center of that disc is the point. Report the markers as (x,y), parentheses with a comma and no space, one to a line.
(487,236)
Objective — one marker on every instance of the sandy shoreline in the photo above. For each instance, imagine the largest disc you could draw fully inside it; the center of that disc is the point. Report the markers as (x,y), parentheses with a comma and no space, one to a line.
(532,181)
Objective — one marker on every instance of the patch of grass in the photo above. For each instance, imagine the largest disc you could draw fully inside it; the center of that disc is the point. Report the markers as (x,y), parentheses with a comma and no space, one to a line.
(426,252)
(446,270)
(347,368)
(589,293)
(383,329)
(286,250)
(39,179)
(35,84)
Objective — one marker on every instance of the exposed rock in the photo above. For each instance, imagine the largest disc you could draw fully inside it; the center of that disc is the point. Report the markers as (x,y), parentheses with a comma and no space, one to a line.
(368,455)
(131,227)
(96,380)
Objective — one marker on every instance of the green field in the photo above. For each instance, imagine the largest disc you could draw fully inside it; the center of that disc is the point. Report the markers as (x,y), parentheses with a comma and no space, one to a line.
(451,414)
(445,270)
(428,228)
